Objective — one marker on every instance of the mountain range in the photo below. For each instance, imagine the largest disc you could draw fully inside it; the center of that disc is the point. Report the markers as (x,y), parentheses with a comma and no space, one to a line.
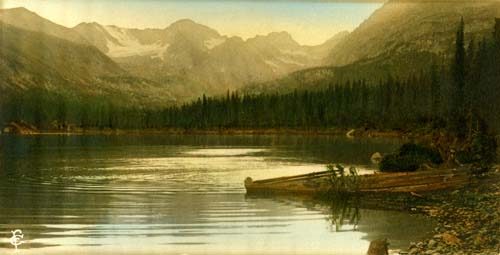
(192,58)
(186,58)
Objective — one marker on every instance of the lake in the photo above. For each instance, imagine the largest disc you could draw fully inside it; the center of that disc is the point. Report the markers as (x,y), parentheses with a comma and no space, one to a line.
(183,194)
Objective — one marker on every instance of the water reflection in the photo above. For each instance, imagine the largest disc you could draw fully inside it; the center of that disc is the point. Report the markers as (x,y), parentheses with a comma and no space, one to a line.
(85,194)
(344,209)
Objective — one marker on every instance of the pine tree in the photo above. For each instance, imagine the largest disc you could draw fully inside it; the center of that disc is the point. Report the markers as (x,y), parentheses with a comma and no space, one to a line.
(435,93)
(457,117)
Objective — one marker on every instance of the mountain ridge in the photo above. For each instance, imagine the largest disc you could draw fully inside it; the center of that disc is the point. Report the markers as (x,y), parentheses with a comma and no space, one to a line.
(34,60)
(401,39)
(194,57)
(23,18)
(403,26)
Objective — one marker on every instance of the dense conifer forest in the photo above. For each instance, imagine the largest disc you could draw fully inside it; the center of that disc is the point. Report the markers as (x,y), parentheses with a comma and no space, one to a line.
(456,96)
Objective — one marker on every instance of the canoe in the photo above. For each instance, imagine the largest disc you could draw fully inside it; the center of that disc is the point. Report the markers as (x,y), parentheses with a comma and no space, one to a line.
(320,182)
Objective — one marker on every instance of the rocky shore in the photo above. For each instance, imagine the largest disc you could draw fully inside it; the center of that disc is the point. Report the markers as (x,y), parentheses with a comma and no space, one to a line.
(468,220)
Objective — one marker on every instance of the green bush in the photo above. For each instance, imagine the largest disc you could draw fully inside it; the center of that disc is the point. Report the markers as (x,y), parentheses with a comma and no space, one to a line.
(398,163)
(481,153)
(409,158)
(419,151)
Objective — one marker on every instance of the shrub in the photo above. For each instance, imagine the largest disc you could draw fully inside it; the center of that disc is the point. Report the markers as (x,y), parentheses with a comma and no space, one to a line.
(481,153)
(340,180)
(427,154)
(398,163)
(409,158)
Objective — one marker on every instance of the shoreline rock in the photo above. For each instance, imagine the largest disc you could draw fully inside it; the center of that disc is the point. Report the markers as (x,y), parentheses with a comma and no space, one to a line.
(468,221)
(20,128)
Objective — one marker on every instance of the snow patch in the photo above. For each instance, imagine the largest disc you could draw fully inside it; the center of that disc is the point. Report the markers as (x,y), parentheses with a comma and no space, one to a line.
(275,66)
(161,52)
(279,62)
(212,43)
(130,46)
(290,61)
(295,53)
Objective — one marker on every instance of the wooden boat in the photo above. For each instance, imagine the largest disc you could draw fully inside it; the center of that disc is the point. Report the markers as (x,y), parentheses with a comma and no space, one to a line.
(320,182)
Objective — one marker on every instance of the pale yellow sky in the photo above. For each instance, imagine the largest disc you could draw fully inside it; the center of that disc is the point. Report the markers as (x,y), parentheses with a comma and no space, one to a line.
(309,22)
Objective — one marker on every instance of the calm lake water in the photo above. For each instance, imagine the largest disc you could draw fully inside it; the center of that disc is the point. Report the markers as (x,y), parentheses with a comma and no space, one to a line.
(182,195)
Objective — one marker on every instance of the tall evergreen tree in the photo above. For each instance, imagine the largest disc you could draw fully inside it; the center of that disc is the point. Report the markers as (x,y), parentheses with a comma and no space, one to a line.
(435,91)
(457,118)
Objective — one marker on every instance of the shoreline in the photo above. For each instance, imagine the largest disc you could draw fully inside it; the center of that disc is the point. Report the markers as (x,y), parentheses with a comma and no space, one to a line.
(351,133)
(468,219)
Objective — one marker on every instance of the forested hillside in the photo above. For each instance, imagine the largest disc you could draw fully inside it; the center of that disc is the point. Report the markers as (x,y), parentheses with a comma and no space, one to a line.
(434,99)
(402,27)
(451,95)
(459,95)
(401,39)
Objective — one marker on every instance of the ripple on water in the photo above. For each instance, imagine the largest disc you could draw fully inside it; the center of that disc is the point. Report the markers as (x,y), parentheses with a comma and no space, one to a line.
(168,198)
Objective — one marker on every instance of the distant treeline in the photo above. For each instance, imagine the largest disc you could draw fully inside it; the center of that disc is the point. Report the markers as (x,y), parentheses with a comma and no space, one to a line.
(457,96)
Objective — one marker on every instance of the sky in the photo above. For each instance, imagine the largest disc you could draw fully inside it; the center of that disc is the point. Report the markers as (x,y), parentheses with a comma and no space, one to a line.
(310,22)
